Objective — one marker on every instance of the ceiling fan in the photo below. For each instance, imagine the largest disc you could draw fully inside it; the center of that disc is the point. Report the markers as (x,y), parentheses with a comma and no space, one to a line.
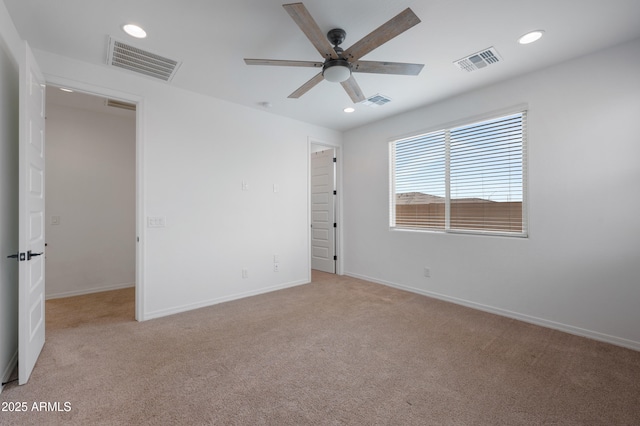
(339,64)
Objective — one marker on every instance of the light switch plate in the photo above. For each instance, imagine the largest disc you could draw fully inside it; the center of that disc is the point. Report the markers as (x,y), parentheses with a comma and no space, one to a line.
(156,222)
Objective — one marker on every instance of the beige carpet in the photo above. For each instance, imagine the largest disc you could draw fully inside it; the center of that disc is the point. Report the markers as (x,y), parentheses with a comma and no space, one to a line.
(336,351)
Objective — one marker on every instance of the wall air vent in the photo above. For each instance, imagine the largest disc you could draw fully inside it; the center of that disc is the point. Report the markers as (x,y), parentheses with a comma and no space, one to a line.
(376,100)
(120,104)
(131,58)
(478,60)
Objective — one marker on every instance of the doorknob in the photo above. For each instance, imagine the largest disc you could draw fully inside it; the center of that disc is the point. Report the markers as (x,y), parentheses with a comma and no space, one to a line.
(30,255)
(15,256)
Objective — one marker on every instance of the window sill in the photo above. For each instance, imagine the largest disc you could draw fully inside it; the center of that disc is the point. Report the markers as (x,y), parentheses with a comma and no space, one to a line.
(460,232)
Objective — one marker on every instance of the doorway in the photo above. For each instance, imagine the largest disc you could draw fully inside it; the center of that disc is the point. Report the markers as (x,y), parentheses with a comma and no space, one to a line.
(91,194)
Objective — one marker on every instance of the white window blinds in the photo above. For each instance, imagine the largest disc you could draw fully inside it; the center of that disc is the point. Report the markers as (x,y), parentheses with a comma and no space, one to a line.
(468,178)
(420,191)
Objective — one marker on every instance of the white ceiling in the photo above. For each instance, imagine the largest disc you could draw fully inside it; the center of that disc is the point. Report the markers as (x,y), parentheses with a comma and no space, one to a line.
(211,38)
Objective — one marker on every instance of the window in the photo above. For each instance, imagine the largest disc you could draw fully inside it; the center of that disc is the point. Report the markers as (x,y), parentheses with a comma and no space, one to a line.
(469,178)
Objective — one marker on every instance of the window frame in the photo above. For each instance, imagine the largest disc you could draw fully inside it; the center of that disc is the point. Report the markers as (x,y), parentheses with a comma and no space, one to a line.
(520,109)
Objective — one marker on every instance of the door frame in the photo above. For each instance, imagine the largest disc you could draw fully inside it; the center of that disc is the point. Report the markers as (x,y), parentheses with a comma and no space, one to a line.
(140,228)
(338,202)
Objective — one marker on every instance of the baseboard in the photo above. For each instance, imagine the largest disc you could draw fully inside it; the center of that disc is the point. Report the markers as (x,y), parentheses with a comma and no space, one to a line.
(88,291)
(595,335)
(203,304)
(9,369)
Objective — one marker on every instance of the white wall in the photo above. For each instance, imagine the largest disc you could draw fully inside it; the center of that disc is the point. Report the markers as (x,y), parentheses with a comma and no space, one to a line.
(91,188)
(579,269)
(9,129)
(196,152)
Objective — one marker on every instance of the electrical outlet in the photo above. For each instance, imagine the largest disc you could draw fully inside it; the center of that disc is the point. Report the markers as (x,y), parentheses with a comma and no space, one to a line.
(276,267)
(427,272)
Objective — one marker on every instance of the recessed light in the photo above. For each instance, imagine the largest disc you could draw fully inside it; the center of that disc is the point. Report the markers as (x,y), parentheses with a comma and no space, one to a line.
(349,110)
(530,37)
(64,89)
(134,31)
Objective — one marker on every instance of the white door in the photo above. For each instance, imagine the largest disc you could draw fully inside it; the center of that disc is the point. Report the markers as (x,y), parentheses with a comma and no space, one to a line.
(31,321)
(323,233)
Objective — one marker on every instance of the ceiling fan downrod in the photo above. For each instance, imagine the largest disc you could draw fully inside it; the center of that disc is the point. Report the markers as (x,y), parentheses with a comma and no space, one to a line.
(336,36)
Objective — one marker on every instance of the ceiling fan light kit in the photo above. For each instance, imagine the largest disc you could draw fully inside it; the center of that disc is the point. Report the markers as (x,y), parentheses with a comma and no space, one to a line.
(339,64)
(336,70)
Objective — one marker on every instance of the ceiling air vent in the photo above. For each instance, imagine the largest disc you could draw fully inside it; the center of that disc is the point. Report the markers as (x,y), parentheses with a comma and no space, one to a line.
(376,100)
(478,60)
(120,104)
(140,61)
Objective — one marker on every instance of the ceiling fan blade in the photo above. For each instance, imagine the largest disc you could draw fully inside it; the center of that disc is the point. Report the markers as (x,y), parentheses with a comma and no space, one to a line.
(307,86)
(385,32)
(310,28)
(353,90)
(283,63)
(379,67)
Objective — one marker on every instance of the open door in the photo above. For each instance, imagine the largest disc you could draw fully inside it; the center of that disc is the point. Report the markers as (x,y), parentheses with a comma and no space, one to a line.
(323,231)
(31,320)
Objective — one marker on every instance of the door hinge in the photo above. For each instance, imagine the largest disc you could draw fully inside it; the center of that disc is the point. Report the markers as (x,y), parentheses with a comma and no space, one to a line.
(335,257)
(335,160)
(335,225)
(335,192)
